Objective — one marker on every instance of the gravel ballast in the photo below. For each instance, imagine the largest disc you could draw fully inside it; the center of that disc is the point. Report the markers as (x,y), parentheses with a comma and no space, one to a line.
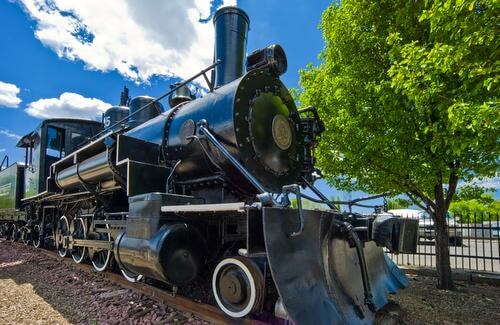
(37,289)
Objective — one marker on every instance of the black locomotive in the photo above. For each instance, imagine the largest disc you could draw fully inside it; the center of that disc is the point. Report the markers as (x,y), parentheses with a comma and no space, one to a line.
(204,187)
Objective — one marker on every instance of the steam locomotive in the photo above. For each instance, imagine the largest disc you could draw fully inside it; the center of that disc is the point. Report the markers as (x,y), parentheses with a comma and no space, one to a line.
(204,186)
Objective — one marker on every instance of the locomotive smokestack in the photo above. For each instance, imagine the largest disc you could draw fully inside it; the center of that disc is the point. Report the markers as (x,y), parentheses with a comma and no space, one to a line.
(124,98)
(231,28)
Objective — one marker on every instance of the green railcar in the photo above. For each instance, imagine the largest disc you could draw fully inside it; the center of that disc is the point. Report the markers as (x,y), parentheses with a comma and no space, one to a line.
(11,192)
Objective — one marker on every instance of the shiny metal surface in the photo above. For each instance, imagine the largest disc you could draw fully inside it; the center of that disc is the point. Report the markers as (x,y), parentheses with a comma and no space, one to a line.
(137,117)
(113,115)
(233,160)
(173,255)
(231,28)
(179,95)
(93,170)
(326,270)
(240,115)
(152,131)
(272,57)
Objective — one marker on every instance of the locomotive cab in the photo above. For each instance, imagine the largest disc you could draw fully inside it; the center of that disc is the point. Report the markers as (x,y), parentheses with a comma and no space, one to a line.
(52,140)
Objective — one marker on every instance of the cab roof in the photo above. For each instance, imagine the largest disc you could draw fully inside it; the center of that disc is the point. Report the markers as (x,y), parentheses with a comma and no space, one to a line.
(27,139)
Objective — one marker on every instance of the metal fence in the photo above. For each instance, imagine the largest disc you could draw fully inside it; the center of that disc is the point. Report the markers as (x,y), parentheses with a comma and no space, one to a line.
(474,243)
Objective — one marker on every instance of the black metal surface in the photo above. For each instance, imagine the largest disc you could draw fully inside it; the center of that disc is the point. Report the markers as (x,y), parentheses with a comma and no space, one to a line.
(75,132)
(135,149)
(272,57)
(231,28)
(180,94)
(138,115)
(396,234)
(156,246)
(175,255)
(255,233)
(240,115)
(152,131)
(112,115)
(124,97)
(249,177)
(144,178)
(240,142)
(271,151)
(145,212)
(325,269)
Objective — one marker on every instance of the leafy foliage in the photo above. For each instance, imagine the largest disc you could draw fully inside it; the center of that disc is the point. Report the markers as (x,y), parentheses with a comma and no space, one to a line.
(475,192)
(309,205)
(475,211)
(408,91)
(398,203)
(475,204)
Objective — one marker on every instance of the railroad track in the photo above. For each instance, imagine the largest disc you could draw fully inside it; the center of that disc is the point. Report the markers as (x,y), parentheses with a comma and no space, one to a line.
(203,311)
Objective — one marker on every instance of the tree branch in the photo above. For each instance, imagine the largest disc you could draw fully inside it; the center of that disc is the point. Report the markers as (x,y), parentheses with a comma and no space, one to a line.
(408,183)
(452,187)
(421,195)
(439,196)
(417,202)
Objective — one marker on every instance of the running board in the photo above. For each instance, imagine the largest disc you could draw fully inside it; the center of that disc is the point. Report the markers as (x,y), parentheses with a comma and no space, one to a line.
(206,208)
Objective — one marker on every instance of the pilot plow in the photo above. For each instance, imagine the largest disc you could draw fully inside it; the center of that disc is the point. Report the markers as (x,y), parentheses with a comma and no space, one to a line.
(335,270)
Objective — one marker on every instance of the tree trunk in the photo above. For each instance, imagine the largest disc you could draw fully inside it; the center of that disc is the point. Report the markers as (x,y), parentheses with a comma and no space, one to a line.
(443,267)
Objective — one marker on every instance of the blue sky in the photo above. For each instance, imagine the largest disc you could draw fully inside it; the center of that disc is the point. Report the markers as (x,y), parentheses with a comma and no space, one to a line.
(34,73)
(72,58)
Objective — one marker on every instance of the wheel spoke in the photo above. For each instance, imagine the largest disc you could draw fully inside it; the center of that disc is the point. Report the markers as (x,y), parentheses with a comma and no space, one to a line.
(63,230)
(102,258)
(79,232)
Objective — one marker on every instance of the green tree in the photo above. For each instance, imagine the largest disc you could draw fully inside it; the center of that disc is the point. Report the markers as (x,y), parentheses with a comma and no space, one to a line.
(475,204)
(408,91)
(474,192)
(398,203)
(475,211)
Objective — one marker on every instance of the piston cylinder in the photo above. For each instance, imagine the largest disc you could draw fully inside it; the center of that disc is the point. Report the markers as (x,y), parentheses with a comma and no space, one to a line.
(175,254)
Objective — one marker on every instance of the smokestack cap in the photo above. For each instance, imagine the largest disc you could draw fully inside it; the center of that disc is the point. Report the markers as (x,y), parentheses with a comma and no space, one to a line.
(231,10)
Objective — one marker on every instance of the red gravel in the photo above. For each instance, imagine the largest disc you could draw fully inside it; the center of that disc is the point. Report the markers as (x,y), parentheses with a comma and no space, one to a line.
(36,289)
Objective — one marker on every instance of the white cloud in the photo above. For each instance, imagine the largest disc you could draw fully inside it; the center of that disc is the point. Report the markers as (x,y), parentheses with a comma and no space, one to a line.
(8,95)
(67,105)
(2,149)
(9,134)
(137,38)
(484,182)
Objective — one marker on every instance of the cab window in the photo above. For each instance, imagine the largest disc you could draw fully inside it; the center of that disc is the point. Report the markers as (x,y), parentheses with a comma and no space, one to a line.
(55,142)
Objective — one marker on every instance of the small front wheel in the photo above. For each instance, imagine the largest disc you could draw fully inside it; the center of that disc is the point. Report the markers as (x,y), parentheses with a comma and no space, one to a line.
(238,286)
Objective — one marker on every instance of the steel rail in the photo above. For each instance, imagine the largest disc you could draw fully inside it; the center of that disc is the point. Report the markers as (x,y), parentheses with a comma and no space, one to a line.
(204,311)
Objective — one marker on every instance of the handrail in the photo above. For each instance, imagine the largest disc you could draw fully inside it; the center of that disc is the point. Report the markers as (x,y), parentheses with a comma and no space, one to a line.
(5,159)
(156,100)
